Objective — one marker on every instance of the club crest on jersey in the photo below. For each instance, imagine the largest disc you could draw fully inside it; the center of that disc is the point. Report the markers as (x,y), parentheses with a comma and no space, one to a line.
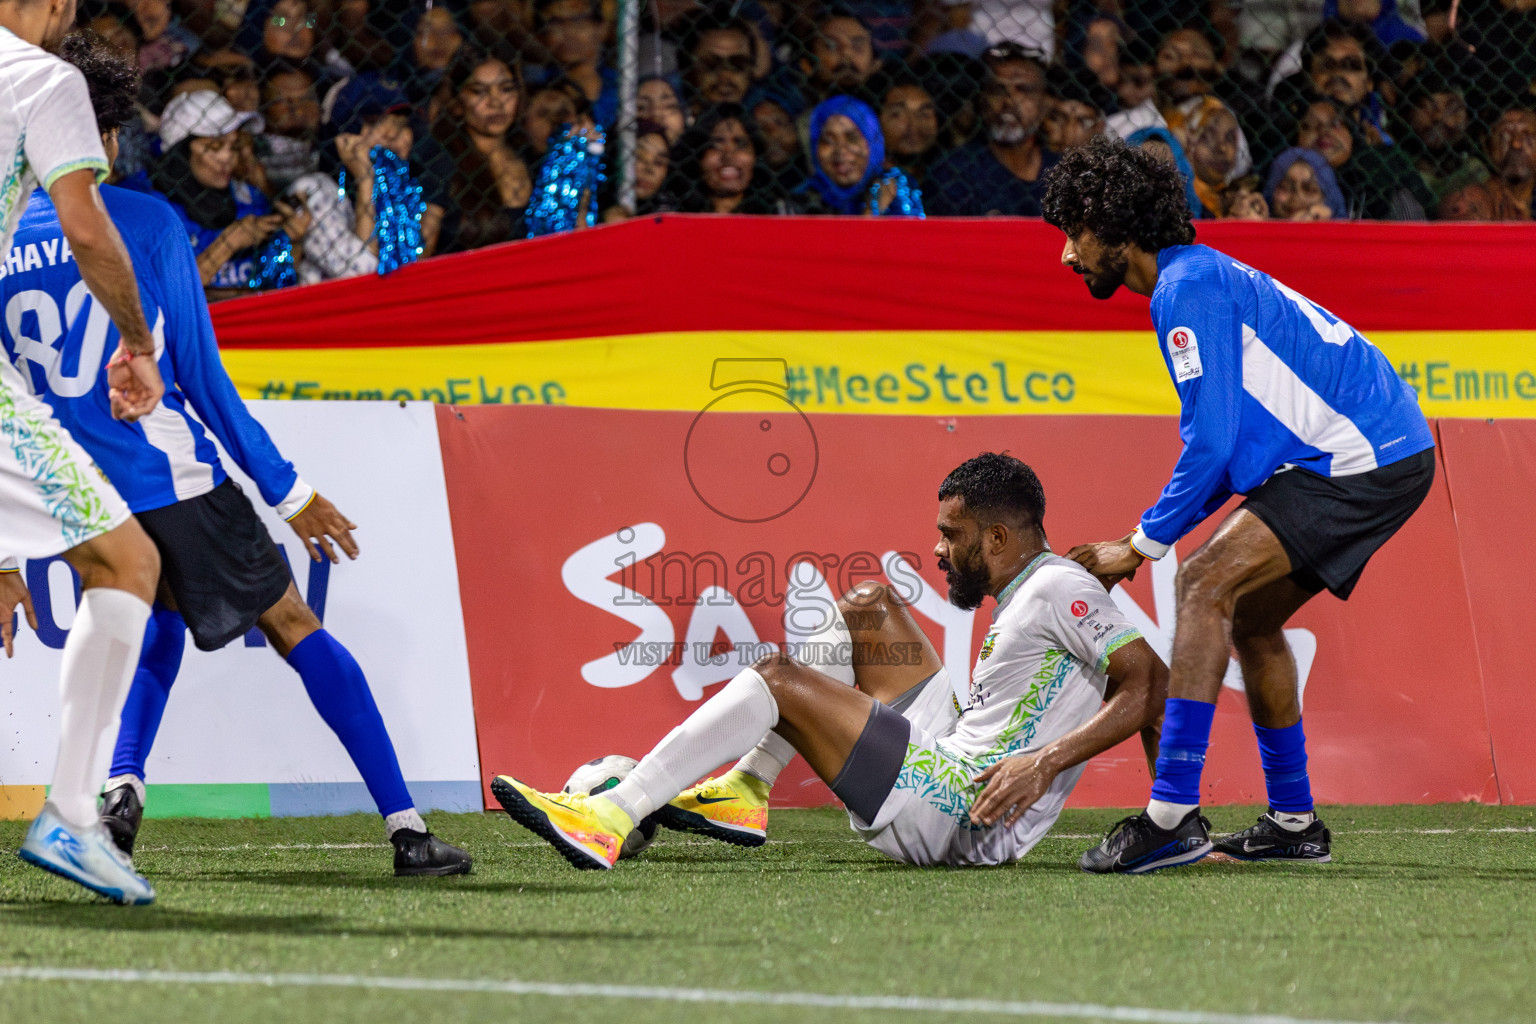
(1184,352)
(1079,608)
(987,645)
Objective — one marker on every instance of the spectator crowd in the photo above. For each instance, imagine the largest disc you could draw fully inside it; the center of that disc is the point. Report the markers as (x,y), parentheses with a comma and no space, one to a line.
(261,119)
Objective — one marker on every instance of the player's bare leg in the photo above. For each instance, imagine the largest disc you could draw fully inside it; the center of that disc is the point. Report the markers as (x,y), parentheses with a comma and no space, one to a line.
(878,647)
(891,653)
(770,710)
(1289,831)
(1269,668)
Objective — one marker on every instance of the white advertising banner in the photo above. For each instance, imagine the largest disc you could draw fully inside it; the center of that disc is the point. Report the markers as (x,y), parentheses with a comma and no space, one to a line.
(239,717)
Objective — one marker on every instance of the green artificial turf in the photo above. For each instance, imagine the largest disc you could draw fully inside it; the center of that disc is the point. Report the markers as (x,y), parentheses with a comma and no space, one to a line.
(1408,924)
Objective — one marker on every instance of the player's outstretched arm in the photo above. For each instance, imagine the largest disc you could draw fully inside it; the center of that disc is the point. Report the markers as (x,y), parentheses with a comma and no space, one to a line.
(132,376)
(318,524)
(13,591)
(1138,686)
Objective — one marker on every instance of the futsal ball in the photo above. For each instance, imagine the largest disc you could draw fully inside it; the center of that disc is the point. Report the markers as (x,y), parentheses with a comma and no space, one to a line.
(604,773)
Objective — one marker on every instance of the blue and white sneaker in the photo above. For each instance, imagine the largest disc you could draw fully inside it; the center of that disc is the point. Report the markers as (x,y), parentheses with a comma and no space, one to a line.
(1136,845)
(86,856)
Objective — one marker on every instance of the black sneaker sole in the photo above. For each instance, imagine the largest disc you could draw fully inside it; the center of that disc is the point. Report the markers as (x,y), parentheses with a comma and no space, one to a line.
(1175,860)
(1247,859)
(535,821)
(679,820)
(437,872)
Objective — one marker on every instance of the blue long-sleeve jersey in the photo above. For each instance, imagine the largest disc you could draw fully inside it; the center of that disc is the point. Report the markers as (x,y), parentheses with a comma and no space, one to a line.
(61,339)
(1266,379)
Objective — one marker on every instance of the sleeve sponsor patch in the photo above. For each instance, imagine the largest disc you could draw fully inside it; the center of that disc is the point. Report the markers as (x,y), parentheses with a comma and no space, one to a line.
(1184,351)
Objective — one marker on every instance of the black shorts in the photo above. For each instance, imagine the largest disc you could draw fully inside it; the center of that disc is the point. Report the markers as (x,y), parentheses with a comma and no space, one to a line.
(219,563)
(1331,526)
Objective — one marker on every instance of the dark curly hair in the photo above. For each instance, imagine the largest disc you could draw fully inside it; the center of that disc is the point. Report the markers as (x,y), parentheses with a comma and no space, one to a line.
(1121,194)
(111,78)
(996,487)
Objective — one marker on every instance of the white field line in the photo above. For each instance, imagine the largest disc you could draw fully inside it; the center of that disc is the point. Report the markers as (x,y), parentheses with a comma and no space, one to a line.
(911,1004)
(670,841)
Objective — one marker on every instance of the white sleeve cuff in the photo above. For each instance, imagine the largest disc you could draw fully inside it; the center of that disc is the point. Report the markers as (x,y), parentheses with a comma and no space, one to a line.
(1147,547)
(297,501)
(10,565)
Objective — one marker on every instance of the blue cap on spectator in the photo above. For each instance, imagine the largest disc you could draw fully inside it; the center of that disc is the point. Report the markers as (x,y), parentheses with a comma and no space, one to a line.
(364,97)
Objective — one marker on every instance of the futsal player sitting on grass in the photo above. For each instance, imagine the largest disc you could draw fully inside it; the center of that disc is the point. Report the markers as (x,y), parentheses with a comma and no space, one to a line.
(1061,677)
(221,574)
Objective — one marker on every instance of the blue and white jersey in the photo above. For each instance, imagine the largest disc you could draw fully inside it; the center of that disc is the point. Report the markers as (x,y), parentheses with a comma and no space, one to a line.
(1267,379)
(61,339)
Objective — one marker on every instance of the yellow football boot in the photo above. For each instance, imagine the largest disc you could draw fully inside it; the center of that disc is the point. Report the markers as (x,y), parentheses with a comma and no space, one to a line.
(732,809)
(588,831)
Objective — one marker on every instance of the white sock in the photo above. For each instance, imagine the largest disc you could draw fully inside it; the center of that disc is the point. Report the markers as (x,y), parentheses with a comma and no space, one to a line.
(725,726)
(133,781)
(768,758)
(409,818)
(1292,821)
(100,657)
(1167,816)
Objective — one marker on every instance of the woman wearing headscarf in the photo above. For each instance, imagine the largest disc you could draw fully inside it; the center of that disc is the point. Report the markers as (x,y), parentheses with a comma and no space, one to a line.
(1161,143)
(1301,186)
(1218,153)
(847,152)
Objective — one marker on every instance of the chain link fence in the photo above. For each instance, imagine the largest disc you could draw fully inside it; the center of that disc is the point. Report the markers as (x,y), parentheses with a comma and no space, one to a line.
(302,140)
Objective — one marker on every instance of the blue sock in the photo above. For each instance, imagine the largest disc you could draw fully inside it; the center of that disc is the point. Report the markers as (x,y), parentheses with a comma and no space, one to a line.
(1181,753)
(340,693)
(159,660)
(1284,755)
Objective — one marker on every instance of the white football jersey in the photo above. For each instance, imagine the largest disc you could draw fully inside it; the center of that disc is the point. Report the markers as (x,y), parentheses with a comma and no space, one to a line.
(47,127)
(1041,670)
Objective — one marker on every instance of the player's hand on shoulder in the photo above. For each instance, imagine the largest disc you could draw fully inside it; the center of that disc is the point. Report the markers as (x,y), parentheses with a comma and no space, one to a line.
(319,524)
(1014,785)
(13,591)
(1111,561)
(134,386)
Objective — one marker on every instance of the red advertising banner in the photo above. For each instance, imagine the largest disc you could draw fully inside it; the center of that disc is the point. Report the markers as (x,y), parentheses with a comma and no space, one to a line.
(704,273)
(1492,472)
(618,565)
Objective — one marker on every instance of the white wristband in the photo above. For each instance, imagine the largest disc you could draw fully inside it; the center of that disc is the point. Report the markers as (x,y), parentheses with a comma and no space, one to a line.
(1146,547)
(297,501)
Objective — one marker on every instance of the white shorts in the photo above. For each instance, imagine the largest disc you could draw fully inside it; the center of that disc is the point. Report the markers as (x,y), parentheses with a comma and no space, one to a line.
(925,819)
(52,496)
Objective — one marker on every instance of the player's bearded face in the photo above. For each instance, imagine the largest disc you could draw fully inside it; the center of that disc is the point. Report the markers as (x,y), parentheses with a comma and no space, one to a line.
(1102,269)
(967,576)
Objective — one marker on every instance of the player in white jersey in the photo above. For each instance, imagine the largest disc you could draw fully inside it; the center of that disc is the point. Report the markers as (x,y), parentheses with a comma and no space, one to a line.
(52,499)
(1061,676)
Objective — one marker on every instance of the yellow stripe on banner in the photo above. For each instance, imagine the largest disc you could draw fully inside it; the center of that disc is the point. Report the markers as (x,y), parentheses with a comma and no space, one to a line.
(18,803)
(944,373)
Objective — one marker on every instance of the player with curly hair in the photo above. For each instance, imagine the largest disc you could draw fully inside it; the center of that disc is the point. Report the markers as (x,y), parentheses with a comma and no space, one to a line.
(1282,402)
